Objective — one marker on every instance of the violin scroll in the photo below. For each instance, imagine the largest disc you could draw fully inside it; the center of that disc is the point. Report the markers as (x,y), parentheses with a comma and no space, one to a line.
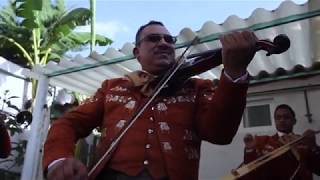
(207,60)
(280,44)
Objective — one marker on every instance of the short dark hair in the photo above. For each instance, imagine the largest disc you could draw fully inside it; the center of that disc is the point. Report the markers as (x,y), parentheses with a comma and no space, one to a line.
(286,106)
(152,22)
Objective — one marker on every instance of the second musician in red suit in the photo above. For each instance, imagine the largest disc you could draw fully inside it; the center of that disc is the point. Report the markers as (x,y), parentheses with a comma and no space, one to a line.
(299,163)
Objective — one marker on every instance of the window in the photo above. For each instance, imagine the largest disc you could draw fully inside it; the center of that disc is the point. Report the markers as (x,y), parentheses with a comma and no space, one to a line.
(258,115)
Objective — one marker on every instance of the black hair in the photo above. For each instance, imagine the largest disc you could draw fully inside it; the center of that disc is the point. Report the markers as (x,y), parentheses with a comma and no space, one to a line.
(286,106)
(152,22)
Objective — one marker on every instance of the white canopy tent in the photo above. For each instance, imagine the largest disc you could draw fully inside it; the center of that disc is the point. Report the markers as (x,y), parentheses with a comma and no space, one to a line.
(85,74)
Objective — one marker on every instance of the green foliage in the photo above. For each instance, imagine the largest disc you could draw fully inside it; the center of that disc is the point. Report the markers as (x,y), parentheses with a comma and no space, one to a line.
(43,29)
(10,27)
(38,31)
(26,9)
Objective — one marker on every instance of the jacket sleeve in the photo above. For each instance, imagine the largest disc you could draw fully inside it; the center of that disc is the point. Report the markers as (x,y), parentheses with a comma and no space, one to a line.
(251,154)
(5,145)
(219,111)
(78,123)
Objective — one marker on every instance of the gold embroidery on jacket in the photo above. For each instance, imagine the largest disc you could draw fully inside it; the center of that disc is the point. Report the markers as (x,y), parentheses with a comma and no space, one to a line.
(117,98)
(119,89)
(164,126)
(130,104)
(170,100)
(188,135)
(91,99)
(120,124)
(180,99)
(166,146)
(192,153)
(209,96)
(161,107)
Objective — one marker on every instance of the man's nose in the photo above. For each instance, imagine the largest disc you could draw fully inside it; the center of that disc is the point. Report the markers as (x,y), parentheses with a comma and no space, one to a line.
(162,40)
(164,45)
(282,119)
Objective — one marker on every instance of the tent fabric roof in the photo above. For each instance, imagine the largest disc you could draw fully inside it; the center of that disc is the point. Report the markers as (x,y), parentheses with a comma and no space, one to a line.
(90,71)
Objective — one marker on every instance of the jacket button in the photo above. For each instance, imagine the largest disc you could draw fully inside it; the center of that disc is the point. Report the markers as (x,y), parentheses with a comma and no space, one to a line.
(152,108)
(145,162)
(151,119)
(148,146)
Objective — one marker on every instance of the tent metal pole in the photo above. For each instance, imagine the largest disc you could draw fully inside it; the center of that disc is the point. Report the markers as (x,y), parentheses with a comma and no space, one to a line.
(32,156)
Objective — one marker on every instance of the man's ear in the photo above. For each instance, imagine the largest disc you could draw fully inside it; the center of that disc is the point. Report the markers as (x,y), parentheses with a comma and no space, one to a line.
(135,52)
(294,121)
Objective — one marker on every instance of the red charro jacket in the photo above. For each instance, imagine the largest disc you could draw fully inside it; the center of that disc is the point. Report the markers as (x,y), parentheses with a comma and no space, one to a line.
(283,167)
(166,138)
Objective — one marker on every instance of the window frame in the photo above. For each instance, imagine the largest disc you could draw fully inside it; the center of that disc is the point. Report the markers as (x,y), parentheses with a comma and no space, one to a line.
(258,102)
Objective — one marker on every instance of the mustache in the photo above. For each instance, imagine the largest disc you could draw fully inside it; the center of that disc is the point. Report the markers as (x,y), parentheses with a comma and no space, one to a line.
(163,48)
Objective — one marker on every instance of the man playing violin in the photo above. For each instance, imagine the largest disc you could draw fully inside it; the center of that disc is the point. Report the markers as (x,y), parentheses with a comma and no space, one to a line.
(299,163)
(164,143)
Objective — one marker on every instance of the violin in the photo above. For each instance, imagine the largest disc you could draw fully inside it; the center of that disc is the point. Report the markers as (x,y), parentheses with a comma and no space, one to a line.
(174,79)
(204,61)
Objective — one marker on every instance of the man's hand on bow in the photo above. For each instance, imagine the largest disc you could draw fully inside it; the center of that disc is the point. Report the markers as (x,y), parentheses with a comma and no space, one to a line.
(70,168)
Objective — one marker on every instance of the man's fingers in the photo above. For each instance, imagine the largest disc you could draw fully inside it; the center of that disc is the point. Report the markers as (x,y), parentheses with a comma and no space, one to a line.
(55,171)
(68,169)
(80,170)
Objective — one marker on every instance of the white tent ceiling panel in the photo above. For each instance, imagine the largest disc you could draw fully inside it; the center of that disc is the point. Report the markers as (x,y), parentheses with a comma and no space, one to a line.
(304,48)
(75,78)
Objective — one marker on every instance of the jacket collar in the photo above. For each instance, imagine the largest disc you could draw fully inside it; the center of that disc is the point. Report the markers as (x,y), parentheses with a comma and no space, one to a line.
(142,79)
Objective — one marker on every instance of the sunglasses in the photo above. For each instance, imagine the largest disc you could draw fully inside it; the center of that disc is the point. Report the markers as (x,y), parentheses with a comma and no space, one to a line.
(155,38)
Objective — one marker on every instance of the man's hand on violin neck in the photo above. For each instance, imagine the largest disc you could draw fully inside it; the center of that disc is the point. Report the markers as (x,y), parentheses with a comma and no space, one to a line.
(310,138)
(71,169)
(238,49)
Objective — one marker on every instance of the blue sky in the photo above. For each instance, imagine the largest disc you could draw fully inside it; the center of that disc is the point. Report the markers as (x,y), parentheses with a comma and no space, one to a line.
(119,19)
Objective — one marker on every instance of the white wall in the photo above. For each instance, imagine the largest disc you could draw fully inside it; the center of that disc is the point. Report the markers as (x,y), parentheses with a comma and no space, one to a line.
(217,161)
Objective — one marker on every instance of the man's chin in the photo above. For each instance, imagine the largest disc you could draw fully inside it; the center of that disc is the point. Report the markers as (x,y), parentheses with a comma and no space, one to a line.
(160,71)
(286,131)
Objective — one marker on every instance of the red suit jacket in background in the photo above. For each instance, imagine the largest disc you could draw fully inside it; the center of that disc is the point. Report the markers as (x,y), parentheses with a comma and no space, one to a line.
(283,167)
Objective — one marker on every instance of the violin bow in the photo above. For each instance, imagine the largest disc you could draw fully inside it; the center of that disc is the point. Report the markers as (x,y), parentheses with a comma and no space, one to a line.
(246,169)
(99,165)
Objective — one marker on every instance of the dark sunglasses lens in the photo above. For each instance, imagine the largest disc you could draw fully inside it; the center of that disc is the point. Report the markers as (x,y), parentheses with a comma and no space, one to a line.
(157,37)
(154,38)
(169,39)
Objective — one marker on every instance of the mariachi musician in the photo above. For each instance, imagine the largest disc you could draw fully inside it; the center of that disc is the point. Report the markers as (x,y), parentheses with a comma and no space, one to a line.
(298,163)
(164,143)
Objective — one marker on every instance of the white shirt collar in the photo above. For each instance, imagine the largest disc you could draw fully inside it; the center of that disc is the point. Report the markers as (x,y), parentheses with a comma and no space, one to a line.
(282,133)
